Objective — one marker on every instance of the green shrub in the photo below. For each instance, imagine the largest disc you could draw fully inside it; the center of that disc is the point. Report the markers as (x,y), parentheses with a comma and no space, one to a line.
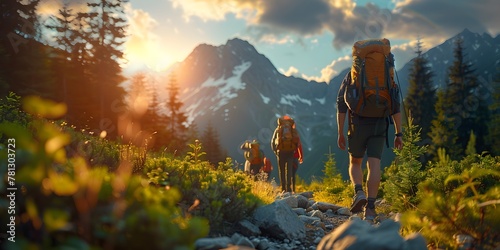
(405,173)
(11,110)
(63,202)
(221,194)
(98,150)
(332,188)
(459,198)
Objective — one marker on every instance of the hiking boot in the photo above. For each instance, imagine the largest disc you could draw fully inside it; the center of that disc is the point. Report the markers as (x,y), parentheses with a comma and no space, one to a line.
(369,214)
(359,201)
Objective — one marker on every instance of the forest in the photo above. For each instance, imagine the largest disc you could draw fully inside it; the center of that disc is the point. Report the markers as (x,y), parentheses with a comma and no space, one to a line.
(92,164)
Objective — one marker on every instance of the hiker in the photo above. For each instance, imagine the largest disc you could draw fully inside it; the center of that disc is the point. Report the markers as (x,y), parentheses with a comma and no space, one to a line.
(254,157)
(367,133)
(284,142)
(267,168)
(297,159)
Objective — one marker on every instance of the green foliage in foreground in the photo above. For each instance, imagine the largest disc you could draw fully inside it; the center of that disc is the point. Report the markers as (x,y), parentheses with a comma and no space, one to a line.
(448,199)
(64,202)
(332,188)
(465,203)
(405,173)
(222,194)
(98,194)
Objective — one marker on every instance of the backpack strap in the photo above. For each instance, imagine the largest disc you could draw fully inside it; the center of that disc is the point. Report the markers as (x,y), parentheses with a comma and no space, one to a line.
(363,83)
(387,121)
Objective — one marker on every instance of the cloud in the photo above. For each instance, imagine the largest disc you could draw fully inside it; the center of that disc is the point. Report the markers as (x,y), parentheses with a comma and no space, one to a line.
(303,17)
(215,9)
(51,7)
(448,16)
(349,22)
(327,73)
(292,71)
(331,70)
(403,53)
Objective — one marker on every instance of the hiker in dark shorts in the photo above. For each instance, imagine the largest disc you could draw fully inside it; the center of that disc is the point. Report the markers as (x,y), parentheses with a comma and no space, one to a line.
(365,135)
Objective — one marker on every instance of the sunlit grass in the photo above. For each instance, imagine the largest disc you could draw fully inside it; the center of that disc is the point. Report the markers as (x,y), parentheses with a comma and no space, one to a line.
(266,190)
(338,193)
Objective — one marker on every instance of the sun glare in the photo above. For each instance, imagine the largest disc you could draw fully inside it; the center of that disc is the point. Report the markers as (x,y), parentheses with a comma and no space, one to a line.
(159,62)
(147,56)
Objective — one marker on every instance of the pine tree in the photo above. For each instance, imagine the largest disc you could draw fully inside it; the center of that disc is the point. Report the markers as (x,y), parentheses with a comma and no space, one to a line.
(153,121)
(144,112)
(15,28)
(176,119)
(494,129)
(471,145)
(211,145)
(138,95)
(4,86)
(193,133)
(106,35)
(63,26)
(421,97)
(443,134)
(462,103)
(25,62)
(405,173)
(68,68)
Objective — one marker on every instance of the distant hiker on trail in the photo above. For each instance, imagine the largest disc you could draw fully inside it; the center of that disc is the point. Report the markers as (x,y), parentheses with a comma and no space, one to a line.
(254,156)
(284,142)
(297,159)
(370,96)
(267,168)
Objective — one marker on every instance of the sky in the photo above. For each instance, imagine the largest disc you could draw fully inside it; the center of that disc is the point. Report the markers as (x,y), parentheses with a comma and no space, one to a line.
(311,39)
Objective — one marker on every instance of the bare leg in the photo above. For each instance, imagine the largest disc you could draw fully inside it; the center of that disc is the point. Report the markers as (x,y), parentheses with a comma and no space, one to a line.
(355,172)
(373,179)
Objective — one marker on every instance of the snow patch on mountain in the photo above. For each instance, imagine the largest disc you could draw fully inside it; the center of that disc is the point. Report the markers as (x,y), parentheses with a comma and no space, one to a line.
(265,99)
(289,99)
(227,88)
(321,100)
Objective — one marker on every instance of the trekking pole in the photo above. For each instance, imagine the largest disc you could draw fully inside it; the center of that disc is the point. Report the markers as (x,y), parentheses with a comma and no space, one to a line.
(401,96)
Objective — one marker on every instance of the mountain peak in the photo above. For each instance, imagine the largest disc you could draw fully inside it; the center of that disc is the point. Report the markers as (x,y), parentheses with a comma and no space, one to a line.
(238,42)
(466,31)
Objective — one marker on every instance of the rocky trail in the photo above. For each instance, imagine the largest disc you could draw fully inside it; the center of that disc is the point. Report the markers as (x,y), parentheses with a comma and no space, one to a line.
(295,222)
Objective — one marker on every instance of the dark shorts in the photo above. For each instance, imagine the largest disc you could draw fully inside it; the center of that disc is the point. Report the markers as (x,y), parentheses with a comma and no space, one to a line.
(367,137)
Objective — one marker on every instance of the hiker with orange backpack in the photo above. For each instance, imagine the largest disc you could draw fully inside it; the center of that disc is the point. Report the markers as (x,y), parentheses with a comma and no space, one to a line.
(254,156)
(370,97)
(284,142)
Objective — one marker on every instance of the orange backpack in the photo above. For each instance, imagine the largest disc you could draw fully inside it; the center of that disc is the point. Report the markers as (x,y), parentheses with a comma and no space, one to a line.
(254,155)
(372,91)
(288,137)
(268,167)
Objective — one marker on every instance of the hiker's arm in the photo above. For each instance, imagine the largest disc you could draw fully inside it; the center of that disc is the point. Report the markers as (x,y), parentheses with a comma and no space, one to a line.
(398,140)
(273,146)
(299,150)
(341,113)
(340,130)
